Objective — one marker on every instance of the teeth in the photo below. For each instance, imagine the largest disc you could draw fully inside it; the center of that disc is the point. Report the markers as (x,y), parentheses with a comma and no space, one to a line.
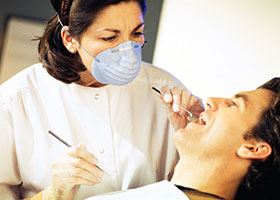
(202,121)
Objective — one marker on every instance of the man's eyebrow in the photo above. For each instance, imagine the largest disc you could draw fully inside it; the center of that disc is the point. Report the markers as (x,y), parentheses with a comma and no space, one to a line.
(244,98)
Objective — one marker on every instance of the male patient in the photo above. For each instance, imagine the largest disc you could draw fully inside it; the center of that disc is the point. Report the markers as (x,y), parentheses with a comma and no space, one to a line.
(232,152)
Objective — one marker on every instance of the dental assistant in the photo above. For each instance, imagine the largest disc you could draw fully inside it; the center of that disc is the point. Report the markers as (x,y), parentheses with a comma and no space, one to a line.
(91,89)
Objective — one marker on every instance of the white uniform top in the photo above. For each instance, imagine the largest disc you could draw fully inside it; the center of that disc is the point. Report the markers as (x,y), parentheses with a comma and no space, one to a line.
(163,190)
(125,127)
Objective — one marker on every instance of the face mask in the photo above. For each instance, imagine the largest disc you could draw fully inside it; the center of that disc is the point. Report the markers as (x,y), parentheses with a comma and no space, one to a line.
(119,65)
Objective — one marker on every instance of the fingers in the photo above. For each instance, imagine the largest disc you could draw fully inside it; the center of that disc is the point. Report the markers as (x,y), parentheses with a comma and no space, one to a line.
(185,99)
(80,151)
(177,101)
(77,167)
(176,93)
(81,158)
(167,98)
(88,168)
(72,170)
(175,98)
(195,105)
(166,94)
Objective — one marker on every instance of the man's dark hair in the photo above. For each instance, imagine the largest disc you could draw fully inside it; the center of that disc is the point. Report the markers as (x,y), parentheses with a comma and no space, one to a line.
(263,178)
(78,15)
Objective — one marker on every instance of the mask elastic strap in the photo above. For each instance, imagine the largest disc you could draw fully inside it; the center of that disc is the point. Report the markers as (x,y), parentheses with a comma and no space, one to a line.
(59,21)
(85,49)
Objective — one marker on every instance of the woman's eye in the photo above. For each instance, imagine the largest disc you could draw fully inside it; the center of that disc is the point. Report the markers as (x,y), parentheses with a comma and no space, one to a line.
(138,34)
(108,38)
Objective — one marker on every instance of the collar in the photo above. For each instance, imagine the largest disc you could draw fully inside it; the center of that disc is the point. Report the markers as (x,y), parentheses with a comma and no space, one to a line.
(194,194)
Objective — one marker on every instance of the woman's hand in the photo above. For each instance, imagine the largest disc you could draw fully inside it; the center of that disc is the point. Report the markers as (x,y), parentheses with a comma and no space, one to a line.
(174,99)
(77,167)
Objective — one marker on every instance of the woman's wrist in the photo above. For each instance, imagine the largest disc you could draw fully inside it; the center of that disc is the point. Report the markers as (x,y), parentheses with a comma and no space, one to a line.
(51,193)
(48,194)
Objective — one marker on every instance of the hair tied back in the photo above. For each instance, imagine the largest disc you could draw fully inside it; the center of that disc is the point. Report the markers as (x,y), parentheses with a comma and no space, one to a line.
(62,7)
(57,5)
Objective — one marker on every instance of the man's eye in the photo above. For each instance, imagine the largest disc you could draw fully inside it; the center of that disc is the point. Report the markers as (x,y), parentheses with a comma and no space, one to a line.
(233,103)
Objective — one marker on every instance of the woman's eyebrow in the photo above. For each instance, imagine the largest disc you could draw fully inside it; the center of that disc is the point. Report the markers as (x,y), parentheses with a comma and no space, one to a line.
(108,29)
(138,26)
(118,31)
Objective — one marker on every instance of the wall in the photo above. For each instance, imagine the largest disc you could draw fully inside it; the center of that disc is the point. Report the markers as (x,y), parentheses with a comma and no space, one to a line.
(34,9)
(219,47)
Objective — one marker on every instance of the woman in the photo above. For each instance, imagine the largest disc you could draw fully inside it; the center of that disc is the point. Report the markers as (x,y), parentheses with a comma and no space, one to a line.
(91,88)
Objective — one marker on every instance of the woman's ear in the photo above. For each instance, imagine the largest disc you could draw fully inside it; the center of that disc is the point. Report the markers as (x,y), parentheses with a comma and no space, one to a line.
(255,151)
(68,41)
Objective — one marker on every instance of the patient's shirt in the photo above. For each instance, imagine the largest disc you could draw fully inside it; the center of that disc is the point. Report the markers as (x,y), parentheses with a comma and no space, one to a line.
(163,190)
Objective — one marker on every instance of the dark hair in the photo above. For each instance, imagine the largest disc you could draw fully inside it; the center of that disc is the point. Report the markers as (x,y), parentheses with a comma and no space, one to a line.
(263,178)
(78,15)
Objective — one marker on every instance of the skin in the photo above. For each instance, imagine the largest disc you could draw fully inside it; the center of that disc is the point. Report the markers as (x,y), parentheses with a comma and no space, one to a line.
(207,151)
(114,25)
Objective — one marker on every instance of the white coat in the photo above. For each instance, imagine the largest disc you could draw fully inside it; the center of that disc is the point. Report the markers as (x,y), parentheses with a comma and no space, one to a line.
(125,127)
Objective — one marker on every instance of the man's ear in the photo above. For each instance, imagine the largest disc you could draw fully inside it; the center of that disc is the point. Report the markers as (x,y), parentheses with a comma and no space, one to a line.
(255,151)
(68,41)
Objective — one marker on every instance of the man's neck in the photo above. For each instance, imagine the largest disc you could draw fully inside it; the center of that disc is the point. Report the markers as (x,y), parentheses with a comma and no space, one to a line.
(198,195)
(212,178)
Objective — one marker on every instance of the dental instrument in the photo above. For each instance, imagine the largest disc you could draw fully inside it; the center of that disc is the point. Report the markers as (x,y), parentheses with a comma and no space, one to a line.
(68,145)
(191,116)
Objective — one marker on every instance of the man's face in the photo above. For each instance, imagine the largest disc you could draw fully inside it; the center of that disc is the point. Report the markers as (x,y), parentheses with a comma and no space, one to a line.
(222,125)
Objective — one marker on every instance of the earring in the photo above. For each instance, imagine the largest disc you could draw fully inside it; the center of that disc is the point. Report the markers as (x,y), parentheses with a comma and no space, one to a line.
(72,50)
